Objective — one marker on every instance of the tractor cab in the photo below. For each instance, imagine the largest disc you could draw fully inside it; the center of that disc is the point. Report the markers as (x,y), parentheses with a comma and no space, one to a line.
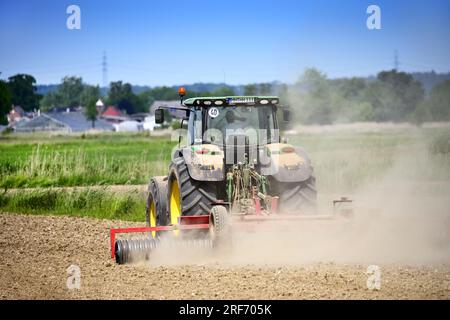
(217,120)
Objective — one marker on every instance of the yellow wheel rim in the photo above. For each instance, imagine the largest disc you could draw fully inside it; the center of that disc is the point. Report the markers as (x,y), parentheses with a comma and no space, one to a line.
(175,204)
(153,217)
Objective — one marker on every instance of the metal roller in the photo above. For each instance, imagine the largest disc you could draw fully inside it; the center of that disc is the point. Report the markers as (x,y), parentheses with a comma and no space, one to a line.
(129,250)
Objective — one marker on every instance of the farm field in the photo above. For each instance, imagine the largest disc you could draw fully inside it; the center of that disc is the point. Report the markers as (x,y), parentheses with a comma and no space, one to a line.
(345,161)
(60,197)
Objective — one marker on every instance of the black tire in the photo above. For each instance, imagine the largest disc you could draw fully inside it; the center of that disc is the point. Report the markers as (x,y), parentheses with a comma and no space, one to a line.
(196,196)
(157,193)
(220,222)
(298,197)
(220,227)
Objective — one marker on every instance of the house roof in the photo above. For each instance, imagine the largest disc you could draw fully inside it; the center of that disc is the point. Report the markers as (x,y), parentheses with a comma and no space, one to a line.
(112,111)
(18,109)
(77,121)
(40,123)
(15,114)
(58,121)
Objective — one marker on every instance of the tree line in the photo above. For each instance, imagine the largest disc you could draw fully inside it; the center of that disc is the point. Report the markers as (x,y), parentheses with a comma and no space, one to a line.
(20,90)
(391,96)
(314,98)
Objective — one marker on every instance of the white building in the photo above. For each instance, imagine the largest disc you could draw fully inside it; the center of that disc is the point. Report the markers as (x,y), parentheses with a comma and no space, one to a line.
(149,123)
(128,126)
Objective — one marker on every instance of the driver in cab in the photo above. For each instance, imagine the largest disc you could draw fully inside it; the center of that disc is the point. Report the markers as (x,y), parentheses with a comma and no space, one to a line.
(235,122)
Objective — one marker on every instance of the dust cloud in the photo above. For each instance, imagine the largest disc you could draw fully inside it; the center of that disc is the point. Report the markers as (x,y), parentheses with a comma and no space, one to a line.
(402,218)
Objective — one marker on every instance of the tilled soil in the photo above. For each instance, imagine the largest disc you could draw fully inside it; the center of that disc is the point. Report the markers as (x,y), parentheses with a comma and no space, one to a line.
(35,252)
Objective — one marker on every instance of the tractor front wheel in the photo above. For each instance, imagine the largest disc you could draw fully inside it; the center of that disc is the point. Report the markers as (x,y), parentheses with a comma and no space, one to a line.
(156,208)
(186,196)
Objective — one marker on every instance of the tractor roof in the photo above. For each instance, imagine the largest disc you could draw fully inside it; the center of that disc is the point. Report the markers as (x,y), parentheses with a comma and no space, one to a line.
(231,101)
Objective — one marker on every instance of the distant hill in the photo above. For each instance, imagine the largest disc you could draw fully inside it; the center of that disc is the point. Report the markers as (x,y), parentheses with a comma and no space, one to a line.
(46,88)
(428,80)
(196,87)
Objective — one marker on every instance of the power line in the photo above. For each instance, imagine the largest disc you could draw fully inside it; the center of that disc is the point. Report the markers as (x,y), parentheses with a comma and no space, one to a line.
(104,70)
(396,61)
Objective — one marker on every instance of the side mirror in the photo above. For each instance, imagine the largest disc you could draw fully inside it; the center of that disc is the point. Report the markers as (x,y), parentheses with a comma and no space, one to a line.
(287,115)
(159,116)
(186,117)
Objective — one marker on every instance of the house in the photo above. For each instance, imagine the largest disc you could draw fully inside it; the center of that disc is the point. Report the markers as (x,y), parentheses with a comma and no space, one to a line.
(149,123)
(128,126)
(61,122)
(139,117)
(113,115)
(15,115)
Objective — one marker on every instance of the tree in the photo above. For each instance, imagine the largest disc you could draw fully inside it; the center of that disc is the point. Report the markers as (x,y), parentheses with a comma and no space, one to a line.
(91,111)
(122,96)
(5,102)
(51,100)
(421,114)
(89,93)
(223,92)
(351,88)
(146,99)
(70,91)
(250,90)
(283,93)
(438,103)
(395,95)
(166,93)
(116,92)
(349,103)
(23,91)
(265,89)
(313,98)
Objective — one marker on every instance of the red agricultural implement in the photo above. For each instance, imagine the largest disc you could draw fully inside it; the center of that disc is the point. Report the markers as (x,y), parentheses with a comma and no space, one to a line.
(212,230)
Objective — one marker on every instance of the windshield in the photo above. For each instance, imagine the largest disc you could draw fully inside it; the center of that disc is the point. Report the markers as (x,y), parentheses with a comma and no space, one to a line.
(258,123)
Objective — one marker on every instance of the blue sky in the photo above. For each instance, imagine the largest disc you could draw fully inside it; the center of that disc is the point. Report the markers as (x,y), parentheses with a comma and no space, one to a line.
(179,42)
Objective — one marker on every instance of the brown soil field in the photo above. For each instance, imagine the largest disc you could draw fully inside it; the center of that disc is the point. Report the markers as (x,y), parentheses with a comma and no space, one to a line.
(35,252)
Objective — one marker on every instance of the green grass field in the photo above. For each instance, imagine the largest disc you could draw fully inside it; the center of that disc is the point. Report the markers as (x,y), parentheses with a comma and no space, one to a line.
(81,160)
(343,161)
(99,203)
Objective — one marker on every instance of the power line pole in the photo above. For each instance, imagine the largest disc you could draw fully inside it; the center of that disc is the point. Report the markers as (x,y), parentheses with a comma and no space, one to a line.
(105,70)
(396,61)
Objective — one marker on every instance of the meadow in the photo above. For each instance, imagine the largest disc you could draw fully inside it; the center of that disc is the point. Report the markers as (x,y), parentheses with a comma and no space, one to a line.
(46,160)
(56,174)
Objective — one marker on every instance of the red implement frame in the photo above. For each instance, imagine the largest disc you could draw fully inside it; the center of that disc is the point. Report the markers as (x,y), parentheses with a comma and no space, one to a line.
(185,223)
(204,221)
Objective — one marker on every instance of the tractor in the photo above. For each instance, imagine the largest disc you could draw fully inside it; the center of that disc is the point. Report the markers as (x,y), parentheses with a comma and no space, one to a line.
(233,155)
(232,167)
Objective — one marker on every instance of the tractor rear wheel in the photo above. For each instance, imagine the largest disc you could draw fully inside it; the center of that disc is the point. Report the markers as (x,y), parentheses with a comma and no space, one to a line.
(186,196)
(156,208)
(299,196)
